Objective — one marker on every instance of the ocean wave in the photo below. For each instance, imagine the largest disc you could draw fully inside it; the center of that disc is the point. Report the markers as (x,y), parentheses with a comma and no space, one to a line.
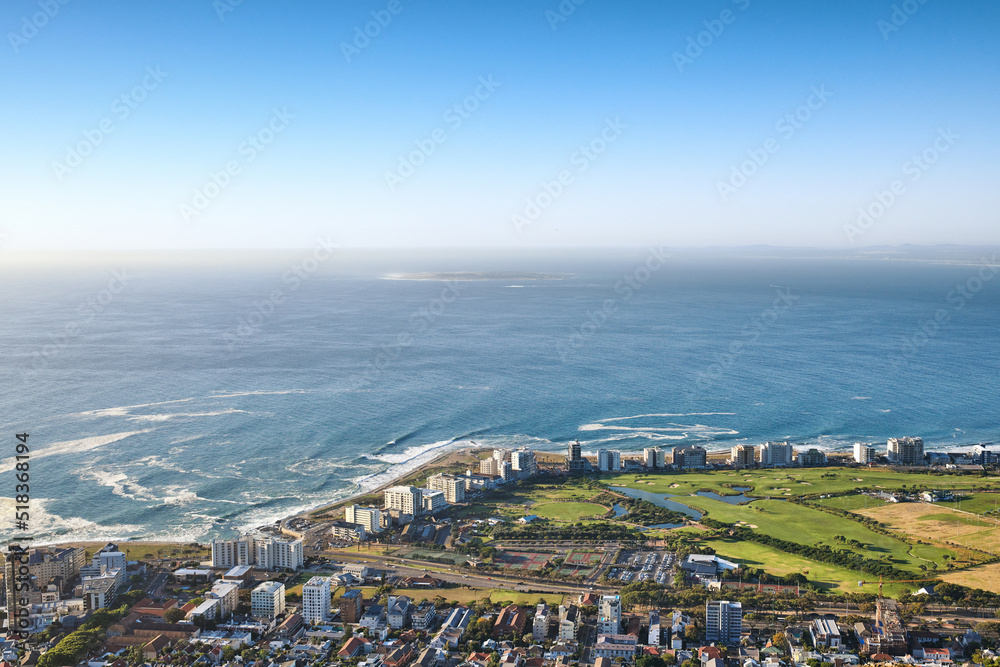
(48,527)
(169,416)
(258,392)
(73,447)
(666,414)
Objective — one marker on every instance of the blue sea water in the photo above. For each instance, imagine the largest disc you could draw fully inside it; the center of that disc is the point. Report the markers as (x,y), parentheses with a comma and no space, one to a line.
(207,396)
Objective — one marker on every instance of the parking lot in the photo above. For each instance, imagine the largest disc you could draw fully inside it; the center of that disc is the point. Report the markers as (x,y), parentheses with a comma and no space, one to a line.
(654,566)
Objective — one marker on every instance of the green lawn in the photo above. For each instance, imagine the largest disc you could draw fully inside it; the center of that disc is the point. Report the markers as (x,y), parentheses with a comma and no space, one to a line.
(828,578)
(977,503)
(794,481)
(568,511)
(857,501)
(806,525)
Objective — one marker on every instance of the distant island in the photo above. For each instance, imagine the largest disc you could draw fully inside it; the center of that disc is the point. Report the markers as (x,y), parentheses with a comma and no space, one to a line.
(478,275)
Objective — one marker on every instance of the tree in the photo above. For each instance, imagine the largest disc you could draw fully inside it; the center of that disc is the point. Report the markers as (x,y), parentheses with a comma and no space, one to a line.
(133,655)
(779,640)
(173,615)
(691,633)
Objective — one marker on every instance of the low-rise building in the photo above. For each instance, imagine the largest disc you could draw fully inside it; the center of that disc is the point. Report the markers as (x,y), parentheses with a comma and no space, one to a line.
(398,611)
(510,622)
(616,646)
(343,530)
(423,616)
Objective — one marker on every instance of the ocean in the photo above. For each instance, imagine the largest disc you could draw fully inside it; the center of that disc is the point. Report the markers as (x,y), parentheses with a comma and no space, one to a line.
(195,396)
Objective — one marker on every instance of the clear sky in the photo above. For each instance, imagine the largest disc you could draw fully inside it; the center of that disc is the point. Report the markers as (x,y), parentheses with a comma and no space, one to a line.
(117,114)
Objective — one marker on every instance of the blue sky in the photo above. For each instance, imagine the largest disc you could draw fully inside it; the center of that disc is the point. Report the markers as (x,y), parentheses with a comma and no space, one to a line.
(673,137)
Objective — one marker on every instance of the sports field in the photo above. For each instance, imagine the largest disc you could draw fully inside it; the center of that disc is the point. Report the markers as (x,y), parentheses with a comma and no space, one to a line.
(578,562)
(940,526)
(569,512)
(522,560)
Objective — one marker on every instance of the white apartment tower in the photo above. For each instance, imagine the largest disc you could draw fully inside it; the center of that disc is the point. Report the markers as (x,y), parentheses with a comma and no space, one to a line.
(267,600)
(723,621)
(316,600)
(230,553)
(273,553)
(609,615)
(905,451)
(776,454)
(609,460)
(369,517)
(403,499)
(863,453)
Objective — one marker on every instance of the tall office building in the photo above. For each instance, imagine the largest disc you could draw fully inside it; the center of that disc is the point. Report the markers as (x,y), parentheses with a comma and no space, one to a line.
(723,621)
(905,451)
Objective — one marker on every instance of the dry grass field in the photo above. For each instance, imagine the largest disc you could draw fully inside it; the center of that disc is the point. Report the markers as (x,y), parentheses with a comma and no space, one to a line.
(938,525)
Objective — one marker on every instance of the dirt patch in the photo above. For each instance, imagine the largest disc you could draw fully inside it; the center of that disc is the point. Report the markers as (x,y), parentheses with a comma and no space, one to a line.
(675,486)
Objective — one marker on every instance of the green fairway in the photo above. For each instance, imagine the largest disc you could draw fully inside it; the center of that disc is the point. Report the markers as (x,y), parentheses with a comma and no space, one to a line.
(795,481)
(568,511)
(977,503)
(856,501)
(806,525)
(828,578)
